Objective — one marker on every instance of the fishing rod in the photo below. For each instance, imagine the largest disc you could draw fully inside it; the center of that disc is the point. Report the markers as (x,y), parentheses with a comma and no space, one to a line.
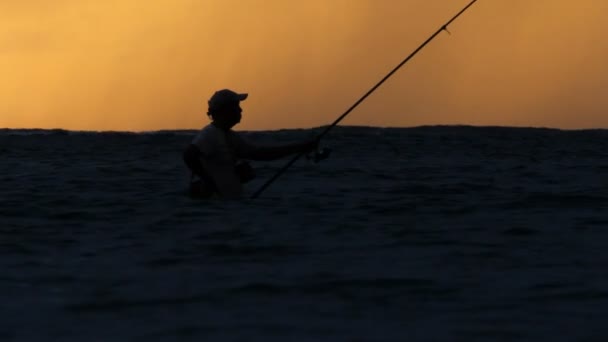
(318,138)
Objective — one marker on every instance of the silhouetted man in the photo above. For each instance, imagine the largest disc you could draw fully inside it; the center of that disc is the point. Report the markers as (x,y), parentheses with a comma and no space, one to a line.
(213,156)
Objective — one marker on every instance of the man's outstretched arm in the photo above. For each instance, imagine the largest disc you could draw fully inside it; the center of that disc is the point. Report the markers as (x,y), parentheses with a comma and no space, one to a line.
(277,152)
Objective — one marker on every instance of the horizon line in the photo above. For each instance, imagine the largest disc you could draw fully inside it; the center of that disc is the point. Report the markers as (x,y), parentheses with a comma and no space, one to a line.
(56,129)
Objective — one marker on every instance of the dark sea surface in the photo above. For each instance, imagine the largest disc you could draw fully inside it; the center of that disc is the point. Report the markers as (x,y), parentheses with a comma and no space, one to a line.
(448,233)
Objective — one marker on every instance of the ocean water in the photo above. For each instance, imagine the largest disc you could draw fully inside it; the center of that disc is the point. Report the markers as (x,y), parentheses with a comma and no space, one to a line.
(447,233)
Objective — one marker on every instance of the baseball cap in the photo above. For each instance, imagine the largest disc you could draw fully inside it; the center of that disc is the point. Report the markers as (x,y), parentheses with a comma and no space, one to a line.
(225,96)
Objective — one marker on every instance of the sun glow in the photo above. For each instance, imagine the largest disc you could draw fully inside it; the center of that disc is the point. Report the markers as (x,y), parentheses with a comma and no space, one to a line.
(133,65)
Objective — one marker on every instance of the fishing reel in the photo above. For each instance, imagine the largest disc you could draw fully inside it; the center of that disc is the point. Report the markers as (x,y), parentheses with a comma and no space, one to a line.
(319,155)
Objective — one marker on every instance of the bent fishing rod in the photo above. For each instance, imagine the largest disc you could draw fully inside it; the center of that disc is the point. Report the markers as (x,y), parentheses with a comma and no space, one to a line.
(318,138)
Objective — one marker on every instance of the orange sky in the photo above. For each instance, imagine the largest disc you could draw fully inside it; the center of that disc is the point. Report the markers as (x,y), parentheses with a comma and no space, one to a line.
(149,65)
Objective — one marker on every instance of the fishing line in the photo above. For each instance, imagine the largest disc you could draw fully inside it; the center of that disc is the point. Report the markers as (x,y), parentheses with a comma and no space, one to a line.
(318,138)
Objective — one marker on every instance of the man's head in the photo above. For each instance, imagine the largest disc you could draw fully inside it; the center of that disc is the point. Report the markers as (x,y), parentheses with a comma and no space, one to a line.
(224,107)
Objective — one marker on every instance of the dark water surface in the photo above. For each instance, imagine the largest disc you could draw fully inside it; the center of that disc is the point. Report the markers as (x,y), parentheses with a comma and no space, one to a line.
(418,234)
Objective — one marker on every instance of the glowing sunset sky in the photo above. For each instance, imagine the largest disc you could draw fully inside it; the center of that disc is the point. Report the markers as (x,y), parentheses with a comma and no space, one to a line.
(148,65)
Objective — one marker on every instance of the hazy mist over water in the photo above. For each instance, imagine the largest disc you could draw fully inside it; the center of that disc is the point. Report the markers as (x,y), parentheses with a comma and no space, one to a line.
(133,65)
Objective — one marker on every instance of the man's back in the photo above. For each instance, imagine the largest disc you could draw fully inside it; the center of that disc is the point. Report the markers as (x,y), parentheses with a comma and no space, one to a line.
(218,157)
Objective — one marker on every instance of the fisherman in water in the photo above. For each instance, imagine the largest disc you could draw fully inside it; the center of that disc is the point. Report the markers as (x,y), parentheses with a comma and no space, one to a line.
(215,154)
